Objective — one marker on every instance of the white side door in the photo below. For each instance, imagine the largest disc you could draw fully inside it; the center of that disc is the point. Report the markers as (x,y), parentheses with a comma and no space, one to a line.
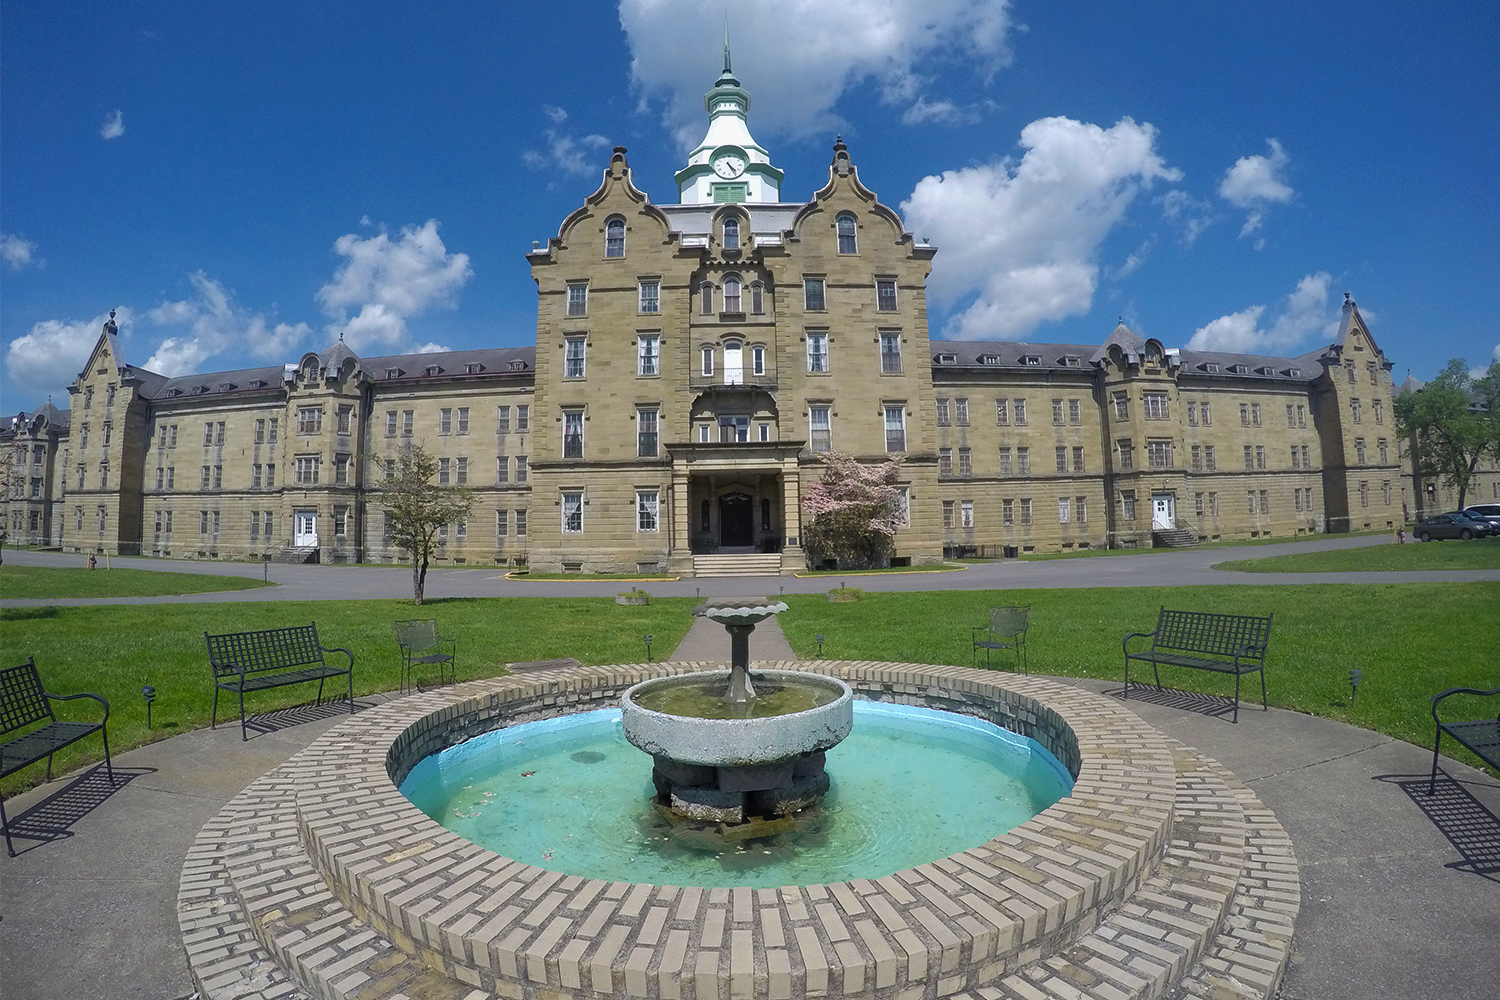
(1161,512)
(305,528)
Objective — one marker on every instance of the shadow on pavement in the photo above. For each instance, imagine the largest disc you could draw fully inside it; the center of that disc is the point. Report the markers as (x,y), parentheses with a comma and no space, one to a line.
(1468,825)
(278,719)
(1211,705)
(53,818)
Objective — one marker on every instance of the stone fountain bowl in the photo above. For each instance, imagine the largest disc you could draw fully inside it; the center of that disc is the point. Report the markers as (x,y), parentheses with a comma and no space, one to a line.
(738,742)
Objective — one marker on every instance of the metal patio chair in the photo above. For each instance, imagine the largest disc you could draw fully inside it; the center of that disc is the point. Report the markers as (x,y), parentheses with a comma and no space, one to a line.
(1006,630)
(421,645)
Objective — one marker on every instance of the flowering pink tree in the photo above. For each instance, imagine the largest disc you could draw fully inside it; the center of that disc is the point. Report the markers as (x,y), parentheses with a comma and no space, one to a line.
(852,513)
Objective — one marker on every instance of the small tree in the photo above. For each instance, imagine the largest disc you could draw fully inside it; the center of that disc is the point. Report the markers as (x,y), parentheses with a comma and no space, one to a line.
(1454,423)
(853,512)
(418,507)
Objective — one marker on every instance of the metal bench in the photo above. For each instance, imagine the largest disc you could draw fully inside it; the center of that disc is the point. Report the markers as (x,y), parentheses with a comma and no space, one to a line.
(23,703)
(1200,640)
(1482,736)
(255,661)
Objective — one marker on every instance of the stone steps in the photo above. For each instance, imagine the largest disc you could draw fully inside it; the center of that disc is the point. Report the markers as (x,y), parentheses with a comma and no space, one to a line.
(1174,538)
(747,564)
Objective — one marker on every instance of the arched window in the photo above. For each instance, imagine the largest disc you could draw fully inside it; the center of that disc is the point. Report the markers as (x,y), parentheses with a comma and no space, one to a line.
(732,294)
(706,298)
(731,233)
(757,298)
(758,359)
(614,237)
(847,241)
(734,363)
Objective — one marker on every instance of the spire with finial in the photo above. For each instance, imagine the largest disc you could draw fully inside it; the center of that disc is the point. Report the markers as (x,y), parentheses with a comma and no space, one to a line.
(726,43)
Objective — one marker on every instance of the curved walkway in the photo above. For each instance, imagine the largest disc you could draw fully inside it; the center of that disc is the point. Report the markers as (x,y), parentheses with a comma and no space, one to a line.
(1184,568)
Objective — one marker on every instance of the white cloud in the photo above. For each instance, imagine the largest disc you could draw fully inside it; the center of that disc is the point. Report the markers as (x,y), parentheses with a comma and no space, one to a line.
(1305,313)
(798,57)
(55,350)
(16,251)
(1133,262)
(1023,236)
(566,150)
(941,112)
(114,125)
(1191,215)
(218,324)
(1255,182)
(388,281)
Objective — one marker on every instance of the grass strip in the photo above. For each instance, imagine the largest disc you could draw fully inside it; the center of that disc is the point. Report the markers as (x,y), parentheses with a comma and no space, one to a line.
(1478,553)
(51,582)
(115,651)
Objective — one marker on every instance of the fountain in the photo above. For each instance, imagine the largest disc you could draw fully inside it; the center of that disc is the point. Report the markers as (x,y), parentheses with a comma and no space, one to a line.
(731,761)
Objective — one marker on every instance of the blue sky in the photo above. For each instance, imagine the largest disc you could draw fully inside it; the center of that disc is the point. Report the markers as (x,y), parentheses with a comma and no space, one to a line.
(243,182)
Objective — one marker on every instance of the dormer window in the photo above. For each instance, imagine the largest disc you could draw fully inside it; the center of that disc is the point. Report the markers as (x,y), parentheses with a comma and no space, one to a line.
(1069,361)
(1031,359)
(393,373)
(989,359)
(731,233)
(515,366)
(947,359)
(848,242)
(433,370)
(199,390)
(473,368)
(1212,367)
(1294,372)
(1239,369)
(614,237)
(257,383)
(226,386)
(1265,370)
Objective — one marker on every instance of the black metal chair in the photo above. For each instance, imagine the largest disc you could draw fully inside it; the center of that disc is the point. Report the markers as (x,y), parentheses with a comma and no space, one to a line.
(1006,630)
(23,703)
(421,645)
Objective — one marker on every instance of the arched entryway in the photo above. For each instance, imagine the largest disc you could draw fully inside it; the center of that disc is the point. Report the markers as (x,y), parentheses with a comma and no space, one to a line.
(736,520)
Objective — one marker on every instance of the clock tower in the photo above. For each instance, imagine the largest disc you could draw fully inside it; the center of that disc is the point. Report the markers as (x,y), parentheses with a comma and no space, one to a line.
(728,165)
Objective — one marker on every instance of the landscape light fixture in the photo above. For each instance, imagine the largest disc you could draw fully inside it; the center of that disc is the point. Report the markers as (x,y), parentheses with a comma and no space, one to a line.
(1355,676)
(149,693)
(648,647)
(820,645)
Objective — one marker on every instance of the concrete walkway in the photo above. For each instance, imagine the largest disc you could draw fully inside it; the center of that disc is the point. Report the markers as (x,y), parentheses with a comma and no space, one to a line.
(1401,892)
(1181,568)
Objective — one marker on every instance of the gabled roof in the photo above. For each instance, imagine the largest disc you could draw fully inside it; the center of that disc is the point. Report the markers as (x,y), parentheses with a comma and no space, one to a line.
(1010,355)
(241,381)
(1254,365)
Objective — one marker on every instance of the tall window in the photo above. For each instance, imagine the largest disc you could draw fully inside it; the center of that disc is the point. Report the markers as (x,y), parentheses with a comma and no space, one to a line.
(1002,411)
(817,352)
(1018,410)
(706,298)
(1026,510)
(1379,407)
(1244,414)
(1127,453)
(646,510)
(645,432)
(523,418)
(648,354)
(1203,415)
(812,294)
(731,239)
(502,523)
(945,461)
(445,471)
(819,430)
(460,470)
(895,428)
(572,512)
(650,296)
(966,514)
(1122,406)
(1208,458)
(890,352)
(734,362)
(1075,412)
(572,434)
(1064,508)
(848,243)
(520,522)
(1255,414)
(578,300)
(408,422)
(965,462)
(445,420)
(502,469)
(961,411)
(307,470)
(1004,461)
(757,298)
(522,471)
(708,360)
(1127,505)
(614,238)
(573,358)
(1359,451)
(1078,458)
(502,420)
(758,360)
(885,295)
(463,420)
(732,294)
(1023,461)
(942,411)
(1301,416)
(1192,412)
(270,432)
(1291,415)
(1062,458)
(346,418)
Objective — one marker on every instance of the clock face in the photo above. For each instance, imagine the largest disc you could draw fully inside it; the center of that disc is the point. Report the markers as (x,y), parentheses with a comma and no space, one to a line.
(729,165)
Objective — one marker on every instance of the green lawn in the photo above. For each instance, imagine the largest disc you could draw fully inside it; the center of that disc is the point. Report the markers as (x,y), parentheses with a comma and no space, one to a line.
(1230,543)
(1478,553)
(1411,641)
(115,651)
(65,581)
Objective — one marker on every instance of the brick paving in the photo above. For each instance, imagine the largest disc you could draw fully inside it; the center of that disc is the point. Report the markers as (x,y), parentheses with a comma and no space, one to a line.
(1159,872)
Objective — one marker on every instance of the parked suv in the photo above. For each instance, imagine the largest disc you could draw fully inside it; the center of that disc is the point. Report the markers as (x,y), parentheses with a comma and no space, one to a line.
(1454,525)
(1489,511)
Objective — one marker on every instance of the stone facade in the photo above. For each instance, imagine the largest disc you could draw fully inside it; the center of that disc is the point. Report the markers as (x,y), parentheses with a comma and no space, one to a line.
(691,362)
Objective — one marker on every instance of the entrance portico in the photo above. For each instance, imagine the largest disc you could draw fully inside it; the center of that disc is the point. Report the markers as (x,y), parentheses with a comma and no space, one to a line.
(735,497)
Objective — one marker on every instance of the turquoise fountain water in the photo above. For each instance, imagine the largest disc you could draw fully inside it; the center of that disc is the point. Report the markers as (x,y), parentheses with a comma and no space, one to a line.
(909,785)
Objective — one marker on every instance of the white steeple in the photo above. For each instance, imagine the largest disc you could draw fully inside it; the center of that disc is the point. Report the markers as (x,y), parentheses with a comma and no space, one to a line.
(728,165)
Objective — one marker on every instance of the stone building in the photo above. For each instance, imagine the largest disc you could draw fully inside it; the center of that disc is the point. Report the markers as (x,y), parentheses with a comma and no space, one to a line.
(691,362)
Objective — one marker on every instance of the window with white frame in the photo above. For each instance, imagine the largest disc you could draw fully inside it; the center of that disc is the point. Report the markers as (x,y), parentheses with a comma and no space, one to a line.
(572,512)
(757,297)
(734,362)
(614,238)
(1078,458)
(966,514)
(463,420)
(502,469)
(578,299)
(1064,508)
(445,471)
(903,505)
(650,296)
(645,432)
(820,432)
(890,353)
(1026,510)
(812,294)
(1023,461)
(885,295)
(502,420)
(307,470)
(523,418)
(1154,405)
(758,359)
(573,358)
(461,472)
(1057,413)
(521,522)
(848,242)
(1005,461)
(1159,454)
(572,434)
(708,360)
(646,512)
(522,469)
(445,420)
(947,513)
(1062,458)
(945,461)
(895,428)
(706,298)
(1002,412)
(1018,411)
(731,237)
(942,411)
(648,354)
(817,352)
(965,462)
(732,294)
(1080,509)
(961,411)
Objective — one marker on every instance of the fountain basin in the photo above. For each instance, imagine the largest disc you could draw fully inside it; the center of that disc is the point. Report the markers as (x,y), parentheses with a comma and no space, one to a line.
(738,742)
